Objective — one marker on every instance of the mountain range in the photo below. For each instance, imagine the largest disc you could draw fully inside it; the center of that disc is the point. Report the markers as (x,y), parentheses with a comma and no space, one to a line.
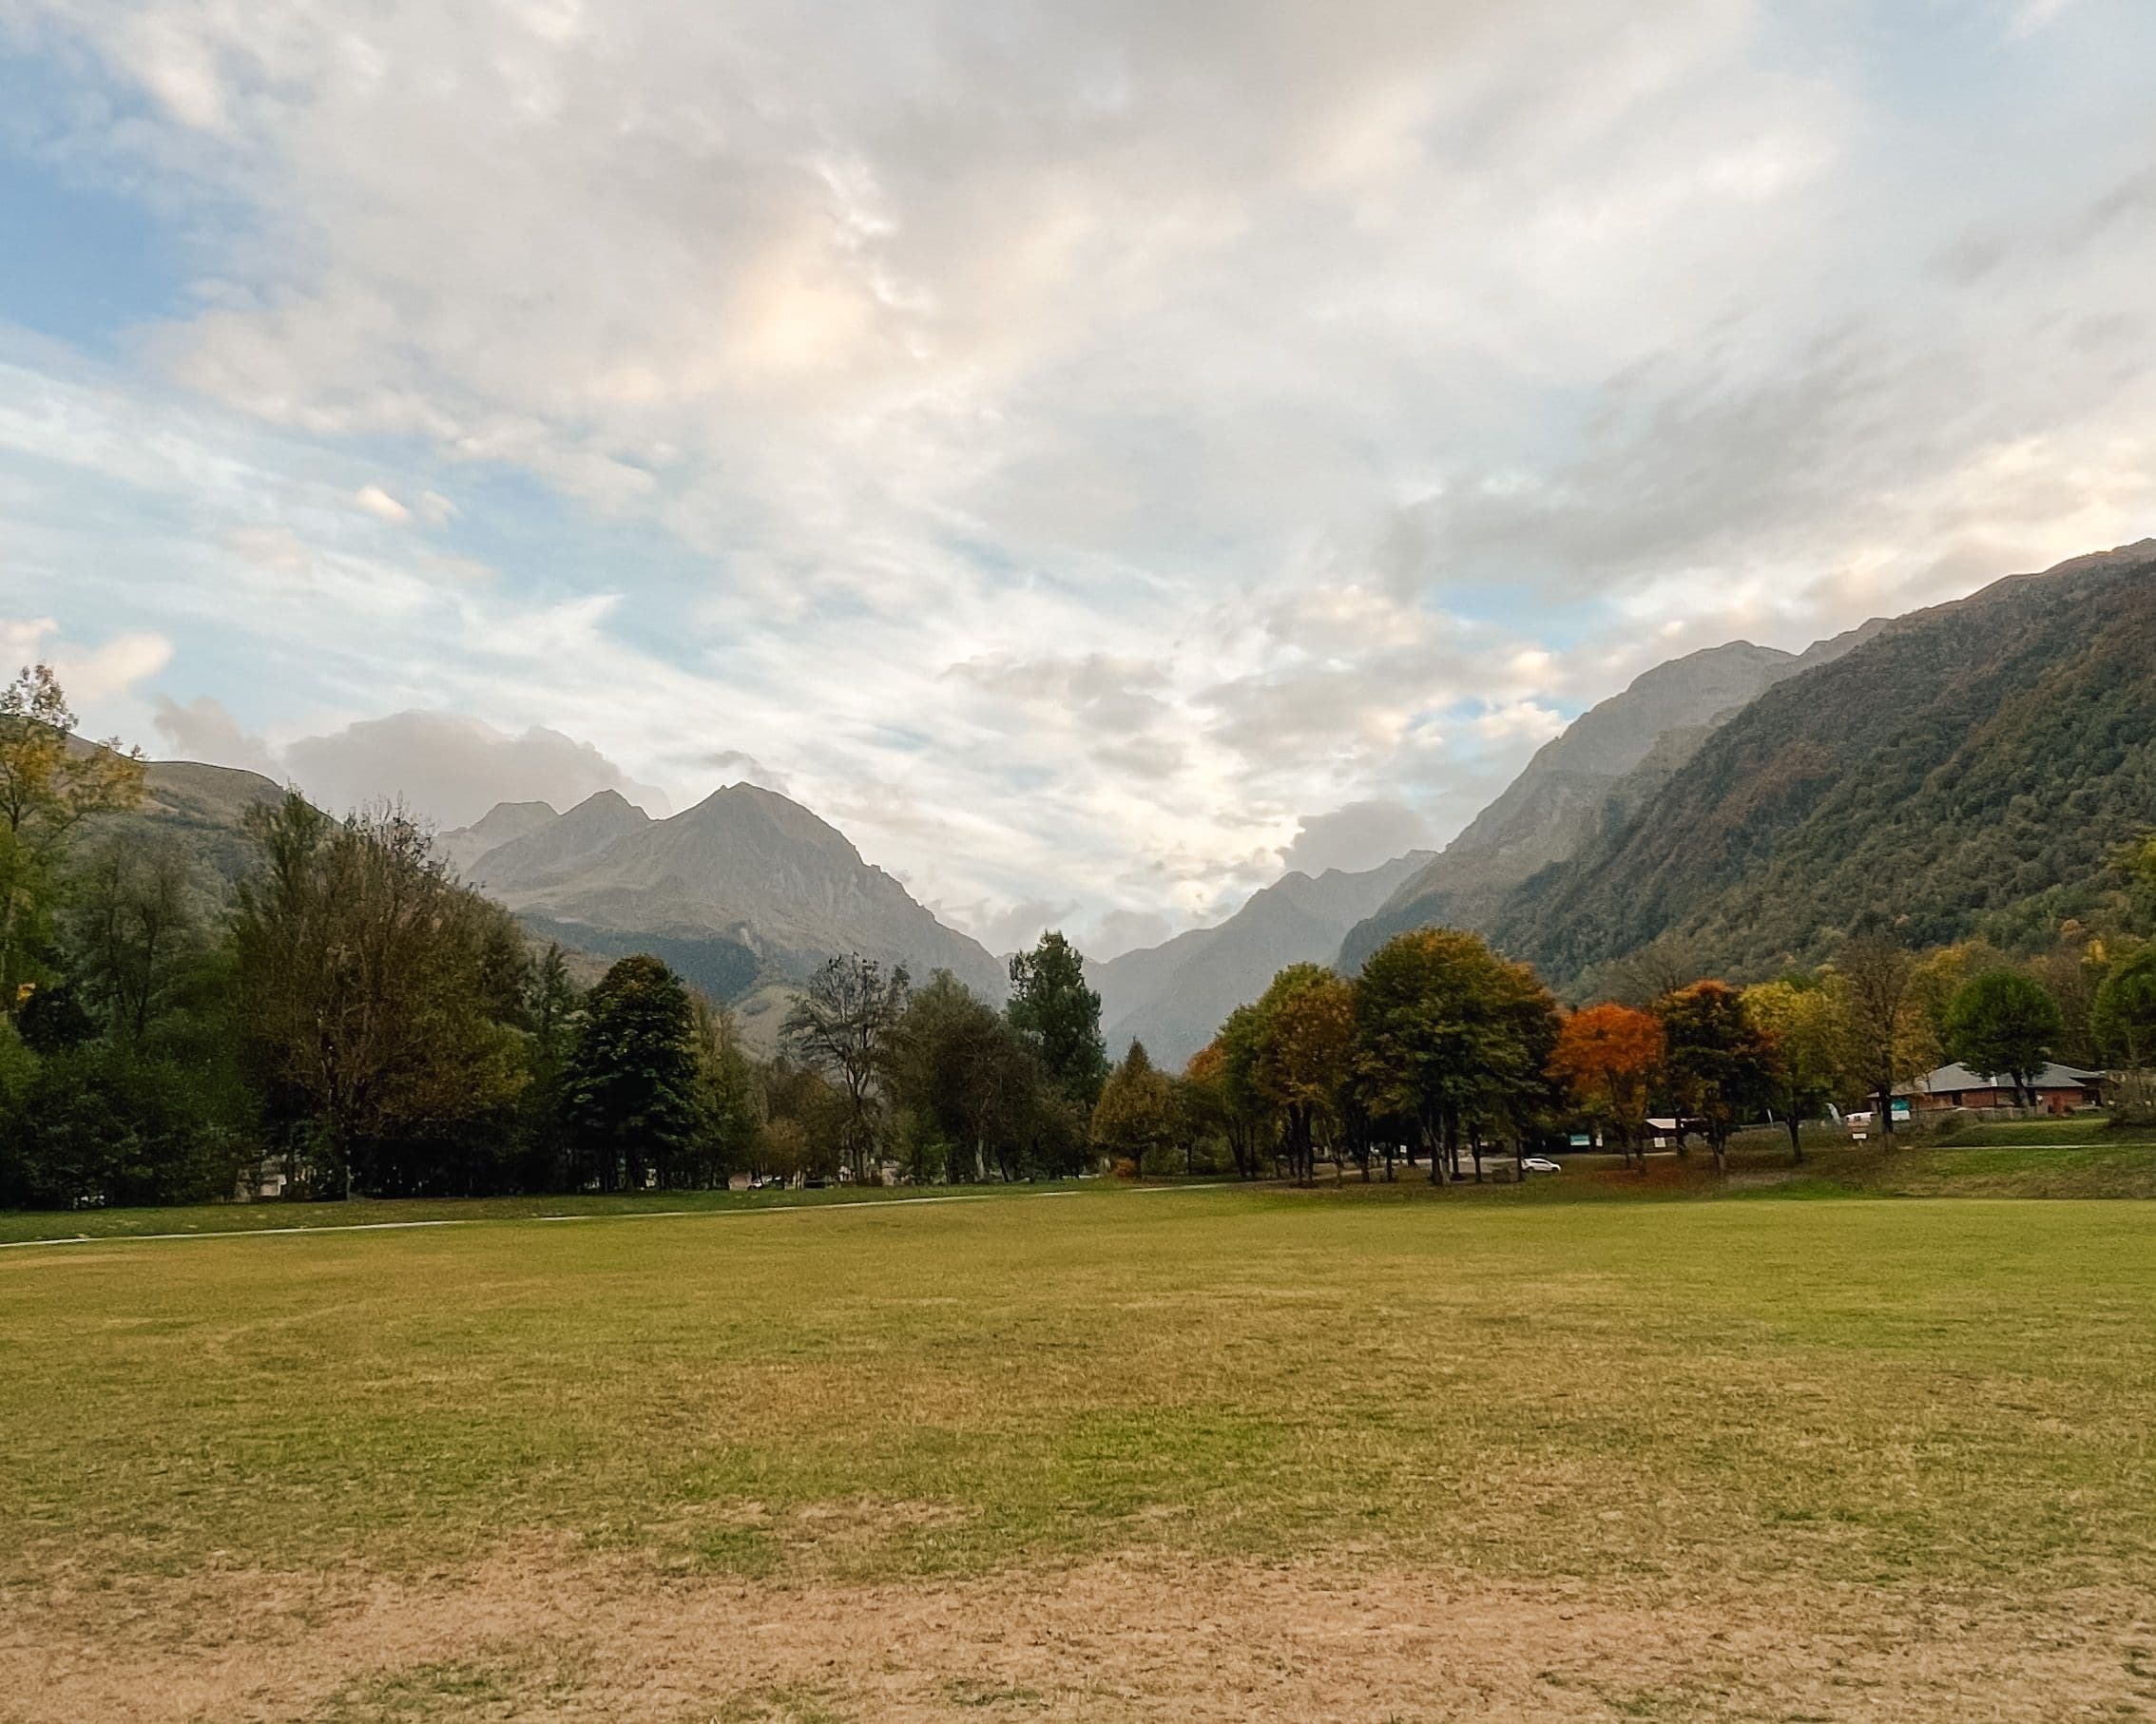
(1964,769)
(1173,996)
(746,895)
(1967,768)
(1606,762)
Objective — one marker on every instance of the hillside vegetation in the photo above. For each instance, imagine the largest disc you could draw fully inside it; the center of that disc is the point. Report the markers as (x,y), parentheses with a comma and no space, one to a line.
(1969,770)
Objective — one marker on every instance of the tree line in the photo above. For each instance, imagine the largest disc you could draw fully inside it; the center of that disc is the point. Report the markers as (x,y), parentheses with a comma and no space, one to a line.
(1441,1051)
(350,1019)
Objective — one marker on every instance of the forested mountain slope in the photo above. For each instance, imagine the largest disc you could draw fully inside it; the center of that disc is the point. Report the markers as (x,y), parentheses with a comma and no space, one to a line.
(1559,800)
(202,810)
(1970,768)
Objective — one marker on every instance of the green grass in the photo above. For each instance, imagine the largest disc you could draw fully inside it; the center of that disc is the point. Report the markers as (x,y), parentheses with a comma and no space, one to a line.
(1638,1394)
(22,1225)
(2080,1129)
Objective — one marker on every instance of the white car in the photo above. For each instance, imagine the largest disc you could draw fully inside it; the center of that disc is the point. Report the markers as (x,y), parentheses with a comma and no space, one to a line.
(1541,1165)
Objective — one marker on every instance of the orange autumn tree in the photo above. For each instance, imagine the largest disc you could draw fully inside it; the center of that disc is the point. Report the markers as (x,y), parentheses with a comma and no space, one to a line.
(1607,1056)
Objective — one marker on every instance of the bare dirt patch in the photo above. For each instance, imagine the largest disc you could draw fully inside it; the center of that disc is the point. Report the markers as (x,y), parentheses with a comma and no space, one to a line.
(547,1633)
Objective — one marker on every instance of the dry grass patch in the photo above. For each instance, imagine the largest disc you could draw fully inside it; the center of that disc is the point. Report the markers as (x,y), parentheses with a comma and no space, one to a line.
(544,1634)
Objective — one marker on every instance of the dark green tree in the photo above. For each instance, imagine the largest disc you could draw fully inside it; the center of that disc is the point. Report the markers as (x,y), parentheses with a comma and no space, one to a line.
(111,1124)
(553,1012)
(633,1105)
(2004,1024)
(973,1091)
(133,922)
(377,997)
(1719,1061)
(53,1020)
(2124,1019)
(1059,1016)
(1453,1038)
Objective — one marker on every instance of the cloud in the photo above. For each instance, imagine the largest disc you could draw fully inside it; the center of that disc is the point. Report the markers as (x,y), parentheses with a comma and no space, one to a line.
(1008,928)
(452,770)
(87,674)
(383,507)
(1357,836)
(202,730)
(1122,930)
(737,768)
(1076,441)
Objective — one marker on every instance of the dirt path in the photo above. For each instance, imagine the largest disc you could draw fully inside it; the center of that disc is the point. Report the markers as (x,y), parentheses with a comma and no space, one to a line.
(540,1637)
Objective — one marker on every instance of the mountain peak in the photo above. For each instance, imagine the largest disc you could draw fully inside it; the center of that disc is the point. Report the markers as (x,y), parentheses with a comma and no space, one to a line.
(559,843)
(745,805)
(609,804)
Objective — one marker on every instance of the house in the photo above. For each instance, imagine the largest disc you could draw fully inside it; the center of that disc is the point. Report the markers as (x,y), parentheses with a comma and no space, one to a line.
(2059,1089)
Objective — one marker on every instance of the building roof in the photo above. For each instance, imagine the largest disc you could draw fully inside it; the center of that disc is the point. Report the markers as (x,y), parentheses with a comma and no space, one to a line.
(1952,1080)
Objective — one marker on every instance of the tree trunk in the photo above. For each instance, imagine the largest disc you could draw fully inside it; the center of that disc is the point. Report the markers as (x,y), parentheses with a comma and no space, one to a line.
(1796,1138)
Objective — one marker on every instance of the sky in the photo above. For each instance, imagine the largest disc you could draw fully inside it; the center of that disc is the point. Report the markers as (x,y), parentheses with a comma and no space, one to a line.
(1095,454)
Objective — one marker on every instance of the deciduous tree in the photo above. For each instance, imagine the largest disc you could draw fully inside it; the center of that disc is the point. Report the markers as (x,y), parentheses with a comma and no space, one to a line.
(132,923)
(2124,1019)
(2004,1022)
(1607,1056)
(1304,1055)
(375,992)
(49,784)
(1809,1036)
(1452,1037)
(1719,1060)
(1874,973)
(1136,1115)
(843,1026)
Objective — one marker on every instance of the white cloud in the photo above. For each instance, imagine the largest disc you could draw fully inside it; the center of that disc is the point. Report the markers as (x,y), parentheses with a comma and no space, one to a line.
(383,507)
(1066,445)
(203,730)
(452,769)
(1355,837)
(89,674)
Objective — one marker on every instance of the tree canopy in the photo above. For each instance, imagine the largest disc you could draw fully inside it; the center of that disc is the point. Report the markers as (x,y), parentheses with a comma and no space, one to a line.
(2004,1024)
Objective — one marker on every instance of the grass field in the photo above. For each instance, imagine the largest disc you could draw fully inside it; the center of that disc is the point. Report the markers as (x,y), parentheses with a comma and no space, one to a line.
(1103,1453)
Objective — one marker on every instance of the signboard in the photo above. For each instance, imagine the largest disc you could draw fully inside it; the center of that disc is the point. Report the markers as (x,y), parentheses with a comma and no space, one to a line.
(1900,1110)
(1583,1140)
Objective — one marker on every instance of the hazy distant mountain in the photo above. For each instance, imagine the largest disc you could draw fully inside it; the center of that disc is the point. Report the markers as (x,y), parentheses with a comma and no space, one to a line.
(1565,794)
(502,824)
(1964,769)
(744,892)
(556,847)
(1173,996)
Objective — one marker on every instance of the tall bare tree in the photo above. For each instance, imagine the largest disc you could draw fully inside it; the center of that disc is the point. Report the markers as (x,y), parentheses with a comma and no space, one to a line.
(1876,972)
(843,1026)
